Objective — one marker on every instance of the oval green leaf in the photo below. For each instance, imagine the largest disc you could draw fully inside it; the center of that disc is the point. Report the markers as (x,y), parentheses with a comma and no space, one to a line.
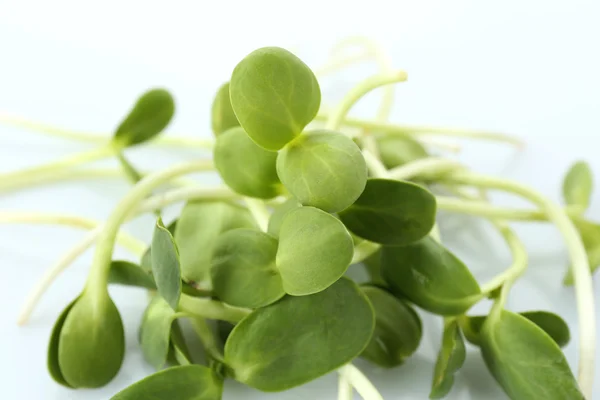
(590,235)
(274,96)
(551,323)
(450,359)
(397,329)
(130,274)
(52,360)
(391,212)
(150,115)
(166,267)
(279,214)
(430,276)
(222,115)
(315,250)
(243,269)
(525,360)
(298,339)
(578,185)
(323,169)
(91,345)
(188,382)
(244,166)
(199,226)
(399,150)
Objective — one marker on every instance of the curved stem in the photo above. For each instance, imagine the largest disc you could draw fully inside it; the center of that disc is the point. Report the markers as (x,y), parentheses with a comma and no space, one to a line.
(259,212)
(430,167)
(336,118)
(212,309)
(345,391)
(581,270)
(360,382)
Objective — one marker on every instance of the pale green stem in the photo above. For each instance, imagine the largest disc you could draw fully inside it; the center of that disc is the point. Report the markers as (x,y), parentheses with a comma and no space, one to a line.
(259,211)
(336,118)
(484,209)
(428,168)
(212,309)
(98,276)
(435,233)
(206,337)
(363,250)
(581,269)
(360,382)
(11,178)
(345,391)
(375,167)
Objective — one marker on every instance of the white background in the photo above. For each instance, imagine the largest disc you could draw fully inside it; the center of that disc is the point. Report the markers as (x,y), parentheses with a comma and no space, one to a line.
(529,68)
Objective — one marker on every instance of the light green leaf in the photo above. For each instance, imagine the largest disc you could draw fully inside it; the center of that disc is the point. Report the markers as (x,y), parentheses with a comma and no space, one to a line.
(274,96)
(130,274)
(323,169)
(391,212)
(52,360)
(578,185)
(245,167)
(590,235)
(397,329)
(450,359)
(315,250)
(298,339)
(399,150)
(188,382)
(279,214)
(525,360)
(430,276)
(150,115)
(243,269)
(222,115)
(165,265)
(199,226)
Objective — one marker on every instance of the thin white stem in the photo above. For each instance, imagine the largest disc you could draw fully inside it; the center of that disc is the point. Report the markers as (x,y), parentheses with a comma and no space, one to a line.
(440,144)
(345,391)
(360,382)
(430,167)
(374,166)
(259,211)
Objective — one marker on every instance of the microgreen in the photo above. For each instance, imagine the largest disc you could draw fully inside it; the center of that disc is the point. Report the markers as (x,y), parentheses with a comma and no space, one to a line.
(577,186)
(165,264)
(451,358)
(399,150)
(130,274)
(278,215)
(222,116)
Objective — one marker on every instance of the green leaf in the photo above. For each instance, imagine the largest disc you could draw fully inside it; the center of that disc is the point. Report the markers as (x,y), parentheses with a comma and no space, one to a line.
(399,150)
(430,276)
(52,361)
(188,382)
(199,226)
(590,235)
(150,115)
(525,360)
(279,213)
(397,329)
(298,339)
(130,274)
(165,265)
(323,169)
(274,96)
(91,344)
(551,323)
(245,167)
(578,185)
(155,331)
(315,250)
(179,347)
(222,115)
(391,212)
(243,269)
(450,359)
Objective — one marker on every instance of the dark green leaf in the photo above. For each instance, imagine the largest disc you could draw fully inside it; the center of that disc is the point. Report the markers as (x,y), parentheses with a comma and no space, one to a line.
(188,382)
(279,213)
(391,212)
(150,115)
(245,167)
(450,359)
(222,115)
(130,274)
(199,226)
(578,185)
(52,361)
(525,360)
(399,150)
(298,339)
(397,329)
(166,267)
(274,96)
(590,235)
(243,269)
(323,169)
(430,276)
(315,250)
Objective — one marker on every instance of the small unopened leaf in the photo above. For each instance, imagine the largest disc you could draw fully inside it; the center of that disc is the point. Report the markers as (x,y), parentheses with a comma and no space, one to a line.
(274,96)
(577,185)
(430,276)
(52,360)
(391,212)
(525,360)
(150,115)
(451,358)
(188,382)
(315,250)
(130,274)
(165,265)
(399,150)
(397,329)
(590,235)
(300,338)
(222,115)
